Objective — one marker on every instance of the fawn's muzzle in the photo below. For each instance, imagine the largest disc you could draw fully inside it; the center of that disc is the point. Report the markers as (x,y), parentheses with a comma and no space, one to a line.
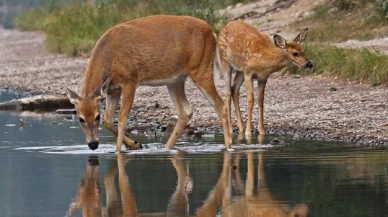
(309,65)
(93,145)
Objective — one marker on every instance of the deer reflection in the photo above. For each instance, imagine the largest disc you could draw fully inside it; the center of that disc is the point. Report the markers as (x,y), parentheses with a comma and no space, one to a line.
(88,197)
(260,203)
(230,197)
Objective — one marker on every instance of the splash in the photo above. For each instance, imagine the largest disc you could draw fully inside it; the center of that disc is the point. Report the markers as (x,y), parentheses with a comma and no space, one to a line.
(148,149)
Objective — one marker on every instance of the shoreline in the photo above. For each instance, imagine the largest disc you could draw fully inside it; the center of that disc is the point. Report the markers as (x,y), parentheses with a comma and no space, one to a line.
(309,107)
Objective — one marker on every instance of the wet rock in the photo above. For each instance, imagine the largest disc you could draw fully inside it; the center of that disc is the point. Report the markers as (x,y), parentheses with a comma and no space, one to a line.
(276,141)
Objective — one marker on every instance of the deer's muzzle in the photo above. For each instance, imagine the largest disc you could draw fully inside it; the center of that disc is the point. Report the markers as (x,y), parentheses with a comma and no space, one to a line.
(93,145)
(309,65)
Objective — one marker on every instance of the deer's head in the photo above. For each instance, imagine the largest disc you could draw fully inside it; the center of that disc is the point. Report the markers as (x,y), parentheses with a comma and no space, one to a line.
(294,50)
(88,112)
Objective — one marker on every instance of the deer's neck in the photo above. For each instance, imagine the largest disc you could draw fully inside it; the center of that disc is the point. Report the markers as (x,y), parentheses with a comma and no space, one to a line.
(275,58)
(93,79)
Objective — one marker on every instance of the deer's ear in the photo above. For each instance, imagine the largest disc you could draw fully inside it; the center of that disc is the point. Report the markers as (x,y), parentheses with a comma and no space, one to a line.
(301,37)
(73,97)
(104,91)
(280,41)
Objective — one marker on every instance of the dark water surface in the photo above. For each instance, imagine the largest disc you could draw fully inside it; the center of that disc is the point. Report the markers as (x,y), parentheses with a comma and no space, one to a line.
(46,170)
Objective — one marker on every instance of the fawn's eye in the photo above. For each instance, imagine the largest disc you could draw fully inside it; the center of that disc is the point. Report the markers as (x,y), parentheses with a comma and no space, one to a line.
(98,117)
(81,120)
(295,54)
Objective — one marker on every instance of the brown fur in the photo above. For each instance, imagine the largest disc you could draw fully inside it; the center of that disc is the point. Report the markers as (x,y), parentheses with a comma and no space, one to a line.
(247,204)
(154,50)
(250,53)
(262,203)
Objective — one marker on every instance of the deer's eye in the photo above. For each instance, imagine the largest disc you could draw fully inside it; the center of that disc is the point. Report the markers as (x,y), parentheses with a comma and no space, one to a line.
(81,120)
(98,117)
(295,54)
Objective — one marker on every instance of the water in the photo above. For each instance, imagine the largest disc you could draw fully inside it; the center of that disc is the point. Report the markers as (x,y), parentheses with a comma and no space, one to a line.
(47,170)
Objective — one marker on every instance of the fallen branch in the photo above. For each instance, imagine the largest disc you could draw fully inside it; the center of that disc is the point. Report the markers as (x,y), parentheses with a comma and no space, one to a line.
(37,103)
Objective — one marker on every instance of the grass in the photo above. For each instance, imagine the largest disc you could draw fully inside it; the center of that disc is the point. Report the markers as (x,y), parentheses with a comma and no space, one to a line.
(340,21)
(74,30)
(344,20)
(355,65)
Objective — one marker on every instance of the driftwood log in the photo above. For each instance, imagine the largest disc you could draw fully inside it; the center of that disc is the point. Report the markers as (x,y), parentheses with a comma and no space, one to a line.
(38,103)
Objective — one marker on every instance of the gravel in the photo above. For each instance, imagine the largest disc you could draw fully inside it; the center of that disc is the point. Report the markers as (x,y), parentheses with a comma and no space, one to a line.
(302,108)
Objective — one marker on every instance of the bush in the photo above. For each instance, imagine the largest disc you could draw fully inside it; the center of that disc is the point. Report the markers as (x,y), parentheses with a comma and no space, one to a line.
(74,30)
(382,6)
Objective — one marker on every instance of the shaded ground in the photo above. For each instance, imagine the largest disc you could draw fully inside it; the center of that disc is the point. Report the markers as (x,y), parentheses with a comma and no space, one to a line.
(309,107)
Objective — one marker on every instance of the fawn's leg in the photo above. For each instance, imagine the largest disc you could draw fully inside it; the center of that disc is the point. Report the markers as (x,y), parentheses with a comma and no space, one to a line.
(250,98)
(227,79)
(238,81)
(261,85)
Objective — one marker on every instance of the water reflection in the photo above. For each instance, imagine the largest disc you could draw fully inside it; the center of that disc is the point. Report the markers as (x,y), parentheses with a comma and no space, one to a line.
(249,201)
(88,198)
(230,193)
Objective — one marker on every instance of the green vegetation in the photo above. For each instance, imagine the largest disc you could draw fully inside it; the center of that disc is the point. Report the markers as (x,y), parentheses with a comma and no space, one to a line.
(347,19)
(351,64)
(340,21)
(75,29)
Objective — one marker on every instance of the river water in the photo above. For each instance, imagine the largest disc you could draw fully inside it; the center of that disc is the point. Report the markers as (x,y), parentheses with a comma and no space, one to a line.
(47,170)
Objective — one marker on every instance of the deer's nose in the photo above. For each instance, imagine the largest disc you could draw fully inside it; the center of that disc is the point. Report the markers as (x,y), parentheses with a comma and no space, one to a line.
(309,65)
(93,145)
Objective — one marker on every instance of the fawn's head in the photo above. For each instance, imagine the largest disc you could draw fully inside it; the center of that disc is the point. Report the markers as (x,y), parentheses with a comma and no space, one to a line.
(294,50)
(88,112)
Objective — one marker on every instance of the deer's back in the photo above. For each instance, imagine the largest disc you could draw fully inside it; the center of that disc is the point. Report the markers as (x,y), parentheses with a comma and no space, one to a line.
(154,47)
(239,41)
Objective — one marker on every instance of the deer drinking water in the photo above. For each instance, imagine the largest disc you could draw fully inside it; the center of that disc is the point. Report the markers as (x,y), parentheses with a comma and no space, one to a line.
(250,53)
(154,51)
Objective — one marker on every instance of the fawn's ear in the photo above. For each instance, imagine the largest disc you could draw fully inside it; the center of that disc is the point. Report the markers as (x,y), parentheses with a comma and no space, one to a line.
(104,91)
(73,97)
(280,41)
(301,37)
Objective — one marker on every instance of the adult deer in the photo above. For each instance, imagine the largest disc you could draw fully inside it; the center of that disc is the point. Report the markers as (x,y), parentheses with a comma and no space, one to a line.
(154,51)
(250,53)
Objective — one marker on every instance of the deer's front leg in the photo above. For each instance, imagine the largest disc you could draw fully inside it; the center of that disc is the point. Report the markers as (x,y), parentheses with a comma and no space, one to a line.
(250,99)
(126,104)
(261,85)
(112,100)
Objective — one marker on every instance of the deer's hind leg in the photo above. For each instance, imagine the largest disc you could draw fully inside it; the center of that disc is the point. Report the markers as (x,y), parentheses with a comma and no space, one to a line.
(238,81)
(112,100)
(178,97)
